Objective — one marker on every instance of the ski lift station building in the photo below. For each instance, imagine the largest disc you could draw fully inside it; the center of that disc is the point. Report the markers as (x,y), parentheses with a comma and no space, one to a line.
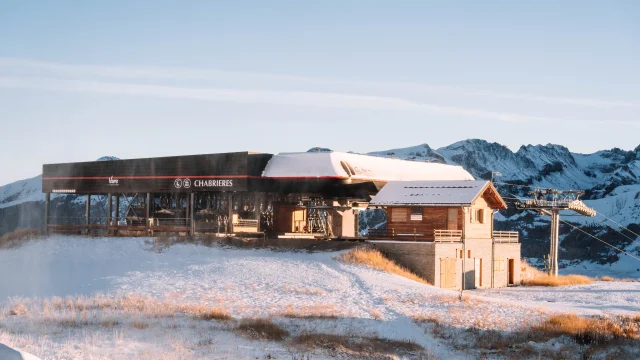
(439,219)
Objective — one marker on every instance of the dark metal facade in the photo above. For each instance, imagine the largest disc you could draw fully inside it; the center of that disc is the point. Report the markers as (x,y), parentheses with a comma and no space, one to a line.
(211,172)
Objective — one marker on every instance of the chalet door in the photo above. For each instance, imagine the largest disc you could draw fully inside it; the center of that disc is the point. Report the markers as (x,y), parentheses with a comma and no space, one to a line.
(478,272)
(511,272)
(447,273)
(452,219)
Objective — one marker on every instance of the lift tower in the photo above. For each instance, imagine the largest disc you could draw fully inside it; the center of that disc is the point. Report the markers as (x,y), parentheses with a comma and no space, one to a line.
(550,202)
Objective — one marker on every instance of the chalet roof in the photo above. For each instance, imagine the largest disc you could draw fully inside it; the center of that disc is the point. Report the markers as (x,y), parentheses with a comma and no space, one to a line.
(437,193)
(355,166)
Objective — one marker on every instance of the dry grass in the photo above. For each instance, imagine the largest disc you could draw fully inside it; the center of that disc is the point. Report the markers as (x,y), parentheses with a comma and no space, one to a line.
(560,280)
(612,279)
(140,325)
(589,330)
(261,329)
(375,259)
(310,312)
(305,291)
(529,272)
(377,315)
(18,309)
(215,313)
(369,347)
(16,238)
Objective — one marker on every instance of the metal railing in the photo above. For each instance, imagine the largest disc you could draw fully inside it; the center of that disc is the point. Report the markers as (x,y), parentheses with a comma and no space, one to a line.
(505,236)
(376,233)
(170,222)
(246,222)
(246,225)
(447,235)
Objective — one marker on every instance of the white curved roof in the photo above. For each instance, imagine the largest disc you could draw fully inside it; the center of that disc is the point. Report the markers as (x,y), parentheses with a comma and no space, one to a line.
(356,166)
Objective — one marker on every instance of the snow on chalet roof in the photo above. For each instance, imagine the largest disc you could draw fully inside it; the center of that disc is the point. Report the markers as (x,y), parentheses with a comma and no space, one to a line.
(356,166)
(433,193)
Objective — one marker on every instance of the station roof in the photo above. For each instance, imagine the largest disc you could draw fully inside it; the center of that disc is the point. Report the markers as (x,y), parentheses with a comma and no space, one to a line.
(437,193)
(359,167)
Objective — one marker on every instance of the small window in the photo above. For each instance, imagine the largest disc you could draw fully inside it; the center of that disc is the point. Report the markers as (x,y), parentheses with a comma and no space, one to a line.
(461,254)
(399,215)
(416,214)
(477,216)
(498,264)
(469,254)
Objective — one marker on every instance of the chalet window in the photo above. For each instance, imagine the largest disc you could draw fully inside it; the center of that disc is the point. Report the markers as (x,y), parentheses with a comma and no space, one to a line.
(498,264)
(416,214)
(477,216)
(399,215)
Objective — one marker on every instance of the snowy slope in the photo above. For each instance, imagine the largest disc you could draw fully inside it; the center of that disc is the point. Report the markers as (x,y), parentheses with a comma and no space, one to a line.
(21,191)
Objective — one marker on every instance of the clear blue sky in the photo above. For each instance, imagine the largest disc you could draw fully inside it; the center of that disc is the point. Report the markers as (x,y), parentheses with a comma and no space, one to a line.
(83,79)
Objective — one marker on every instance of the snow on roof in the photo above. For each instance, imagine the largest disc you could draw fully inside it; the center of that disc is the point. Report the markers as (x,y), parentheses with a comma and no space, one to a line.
(429,193)
(356,166)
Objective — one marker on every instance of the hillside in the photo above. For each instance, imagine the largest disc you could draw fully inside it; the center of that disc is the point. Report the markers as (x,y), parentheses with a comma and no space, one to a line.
(144,298)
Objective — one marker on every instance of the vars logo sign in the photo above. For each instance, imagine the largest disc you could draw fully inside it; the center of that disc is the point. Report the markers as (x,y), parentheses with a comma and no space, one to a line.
(112,181)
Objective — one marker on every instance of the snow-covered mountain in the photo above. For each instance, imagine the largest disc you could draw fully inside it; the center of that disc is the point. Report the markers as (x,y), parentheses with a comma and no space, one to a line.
(610,179)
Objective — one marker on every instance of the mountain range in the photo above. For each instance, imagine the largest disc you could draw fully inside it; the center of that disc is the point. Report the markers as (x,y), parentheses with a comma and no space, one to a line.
(609,178)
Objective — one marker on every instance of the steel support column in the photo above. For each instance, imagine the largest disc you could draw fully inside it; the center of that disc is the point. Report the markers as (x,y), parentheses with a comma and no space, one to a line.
(47,203)
(117,212)
(109,211)
(147,206)
(230,213)
(555,235)
(191,206)
(87,215)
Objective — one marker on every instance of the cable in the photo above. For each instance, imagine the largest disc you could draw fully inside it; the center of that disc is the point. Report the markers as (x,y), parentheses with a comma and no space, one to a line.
(577,228)
(620,226)
(510,184)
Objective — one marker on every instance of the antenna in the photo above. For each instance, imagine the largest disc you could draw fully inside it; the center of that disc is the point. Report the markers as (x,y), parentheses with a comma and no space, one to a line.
(551,202)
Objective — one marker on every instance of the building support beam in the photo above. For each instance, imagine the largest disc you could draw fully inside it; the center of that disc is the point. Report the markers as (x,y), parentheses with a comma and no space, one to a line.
(187,207)
(230,213)
(147,211)
(555,237)
(257,208)
(109,211)
(117,213)
(47,204)
(192,224)
(87,215)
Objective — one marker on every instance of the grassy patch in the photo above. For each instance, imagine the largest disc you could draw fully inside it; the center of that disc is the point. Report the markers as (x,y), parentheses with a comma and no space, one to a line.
(375,259)
(369,347)
(310,312)
(140,325)
(16,238)
(214,314)
(261,329)
(587,330)
(560,280)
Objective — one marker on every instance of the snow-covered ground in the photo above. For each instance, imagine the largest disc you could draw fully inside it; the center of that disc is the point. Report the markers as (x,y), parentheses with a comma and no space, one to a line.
(261,283)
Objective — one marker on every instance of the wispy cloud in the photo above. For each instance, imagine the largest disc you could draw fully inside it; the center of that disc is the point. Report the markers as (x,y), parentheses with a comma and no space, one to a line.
(30,67)
(296,98)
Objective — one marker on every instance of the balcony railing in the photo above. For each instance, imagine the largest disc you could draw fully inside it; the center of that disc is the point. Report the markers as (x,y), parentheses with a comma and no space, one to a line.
(447,235)
(505,236)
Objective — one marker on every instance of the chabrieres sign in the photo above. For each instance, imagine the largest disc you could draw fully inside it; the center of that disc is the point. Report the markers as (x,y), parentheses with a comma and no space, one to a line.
(186,183)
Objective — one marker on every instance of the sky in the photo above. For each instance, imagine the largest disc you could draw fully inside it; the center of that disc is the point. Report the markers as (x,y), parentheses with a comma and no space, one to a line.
(81,80)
